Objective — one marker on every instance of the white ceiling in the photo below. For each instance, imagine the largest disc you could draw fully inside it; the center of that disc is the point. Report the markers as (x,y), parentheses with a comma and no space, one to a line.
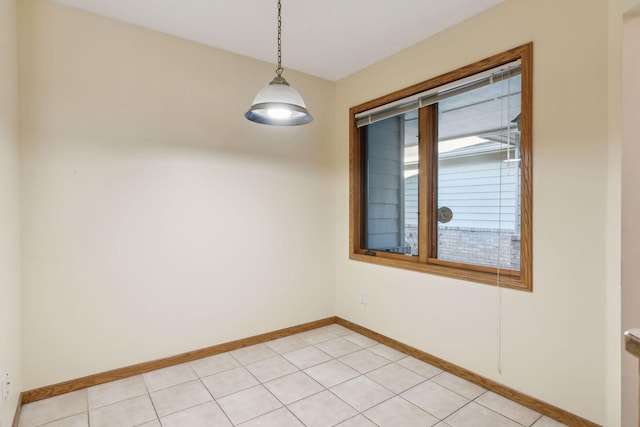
(326,38)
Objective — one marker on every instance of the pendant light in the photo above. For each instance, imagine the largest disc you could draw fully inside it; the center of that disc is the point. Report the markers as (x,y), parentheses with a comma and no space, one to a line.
(278,103)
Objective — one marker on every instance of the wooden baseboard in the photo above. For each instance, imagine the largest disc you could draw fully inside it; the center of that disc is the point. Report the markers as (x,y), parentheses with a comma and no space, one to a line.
(129,371)
(539,406)
(532,403)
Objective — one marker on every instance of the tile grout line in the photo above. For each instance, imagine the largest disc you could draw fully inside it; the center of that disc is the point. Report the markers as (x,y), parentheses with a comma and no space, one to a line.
(365,374)
(505,415)
(153,405)
(282,355)
(88,415)
(209,391)
(213,399)
(259,383)
(286,407)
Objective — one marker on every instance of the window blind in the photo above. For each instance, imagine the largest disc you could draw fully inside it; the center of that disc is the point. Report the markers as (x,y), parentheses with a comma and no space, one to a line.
(438,94)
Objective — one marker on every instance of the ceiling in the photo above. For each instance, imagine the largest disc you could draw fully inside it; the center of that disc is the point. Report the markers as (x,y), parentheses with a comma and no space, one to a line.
(326,38)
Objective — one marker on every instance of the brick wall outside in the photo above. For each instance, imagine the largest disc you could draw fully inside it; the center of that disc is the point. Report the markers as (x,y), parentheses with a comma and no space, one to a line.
(482,246)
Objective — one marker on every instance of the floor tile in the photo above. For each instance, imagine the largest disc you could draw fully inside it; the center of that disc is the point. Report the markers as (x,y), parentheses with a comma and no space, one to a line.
(361,340)
(364,361)
(338,347)
(116,391)
(331,373)
(435,399)
(387,352)
(229,382)
(357,421)
(338,330)
(370,384)
(316,336)
(206,415)
(474,415)
(548,422)
(80,420)
(322,410)
(53,409)
(307,357)
(396,378)
(168,377)
(419,367)
(272,368)
(127,413)
(180,397)
(362,393)
(293,387)
(247,404)
(253,353)
(459,385)
(399,412)
(287,344)
(508,408)
(278,418)
(214,364)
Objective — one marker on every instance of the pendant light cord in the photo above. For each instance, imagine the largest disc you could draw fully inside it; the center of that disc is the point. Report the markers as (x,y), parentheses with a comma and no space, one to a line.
(279,70)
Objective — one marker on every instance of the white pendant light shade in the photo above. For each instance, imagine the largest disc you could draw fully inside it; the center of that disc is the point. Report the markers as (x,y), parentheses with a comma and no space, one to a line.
(279,104)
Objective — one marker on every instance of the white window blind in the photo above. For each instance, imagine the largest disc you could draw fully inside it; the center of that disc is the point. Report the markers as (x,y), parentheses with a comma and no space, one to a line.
(438,94)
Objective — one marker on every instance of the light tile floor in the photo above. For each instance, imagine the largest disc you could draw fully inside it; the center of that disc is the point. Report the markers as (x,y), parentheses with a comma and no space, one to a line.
(329,376)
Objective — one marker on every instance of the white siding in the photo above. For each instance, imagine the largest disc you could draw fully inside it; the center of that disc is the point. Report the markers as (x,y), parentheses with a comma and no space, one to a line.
(411,201)
(481,191)
(384,184)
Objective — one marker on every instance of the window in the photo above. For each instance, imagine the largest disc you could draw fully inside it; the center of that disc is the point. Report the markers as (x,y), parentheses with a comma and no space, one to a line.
(440,176)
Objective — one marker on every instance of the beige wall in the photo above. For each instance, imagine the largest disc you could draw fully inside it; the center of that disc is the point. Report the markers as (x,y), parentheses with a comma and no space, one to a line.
(10,341)
(553,339)
(630,209)
(157,220)
(613,218)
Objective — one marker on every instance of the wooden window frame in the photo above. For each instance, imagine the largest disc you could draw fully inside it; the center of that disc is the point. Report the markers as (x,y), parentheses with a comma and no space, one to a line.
(425,262)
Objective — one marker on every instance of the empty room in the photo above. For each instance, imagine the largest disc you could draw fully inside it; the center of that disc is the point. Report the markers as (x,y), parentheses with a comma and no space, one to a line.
(435,227)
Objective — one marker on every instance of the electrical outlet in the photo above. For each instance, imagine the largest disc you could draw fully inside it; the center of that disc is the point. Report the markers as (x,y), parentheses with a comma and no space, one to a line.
(363,296)
(5,386)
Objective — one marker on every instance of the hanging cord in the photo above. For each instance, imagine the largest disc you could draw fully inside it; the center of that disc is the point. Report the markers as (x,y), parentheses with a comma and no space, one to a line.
(279,70)
(499,263)
(499,289)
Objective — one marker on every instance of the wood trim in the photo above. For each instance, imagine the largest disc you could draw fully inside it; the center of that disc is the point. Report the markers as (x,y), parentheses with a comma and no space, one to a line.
(355,180)
(460,73)
(72,385)
(411,263)
(492,270)
(424,166)
(429,115)
(16,416)
(530,402)
(117,374)
(520,280)
(526,168)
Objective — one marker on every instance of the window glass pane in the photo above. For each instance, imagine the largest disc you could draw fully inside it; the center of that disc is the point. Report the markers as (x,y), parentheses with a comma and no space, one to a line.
(478,179)
(390,170)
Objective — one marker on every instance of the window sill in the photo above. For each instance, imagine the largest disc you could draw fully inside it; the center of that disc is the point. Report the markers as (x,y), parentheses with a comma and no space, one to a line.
(507,279)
